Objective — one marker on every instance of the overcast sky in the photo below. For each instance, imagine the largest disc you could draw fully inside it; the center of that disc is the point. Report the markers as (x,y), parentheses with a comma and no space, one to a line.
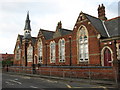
(44,14)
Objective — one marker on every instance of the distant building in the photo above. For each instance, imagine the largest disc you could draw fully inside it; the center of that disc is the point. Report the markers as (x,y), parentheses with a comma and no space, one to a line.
(94,41)
(6,57)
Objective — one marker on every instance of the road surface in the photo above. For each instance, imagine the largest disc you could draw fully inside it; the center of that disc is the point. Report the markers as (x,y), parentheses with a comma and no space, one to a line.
(20,81)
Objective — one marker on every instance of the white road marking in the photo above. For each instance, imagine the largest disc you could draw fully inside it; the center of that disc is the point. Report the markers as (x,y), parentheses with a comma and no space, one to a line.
(105,88)
(33,87)
(15,81)
(9,83)
(68,86)
(52,81)
(26,77)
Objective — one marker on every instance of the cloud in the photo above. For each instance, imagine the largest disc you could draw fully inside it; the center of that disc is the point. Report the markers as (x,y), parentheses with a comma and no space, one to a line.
(44,14)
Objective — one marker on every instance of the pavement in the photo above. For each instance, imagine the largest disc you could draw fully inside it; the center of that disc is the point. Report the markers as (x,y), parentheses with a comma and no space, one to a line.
(102,83)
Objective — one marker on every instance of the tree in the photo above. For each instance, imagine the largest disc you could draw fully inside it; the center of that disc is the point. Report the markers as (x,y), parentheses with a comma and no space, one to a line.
(7,62)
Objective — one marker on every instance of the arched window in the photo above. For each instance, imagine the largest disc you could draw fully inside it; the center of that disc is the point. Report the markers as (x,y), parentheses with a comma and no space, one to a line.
(17,53)
(82,44)
(30,53)
(40,52)
(61,50)
(52,52)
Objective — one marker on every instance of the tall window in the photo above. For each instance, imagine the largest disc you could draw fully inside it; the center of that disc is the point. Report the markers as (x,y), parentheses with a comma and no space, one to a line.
(118,51)
(17,53)
(40,52)
(61,50)
(52,52)
(30,53)
(83,45)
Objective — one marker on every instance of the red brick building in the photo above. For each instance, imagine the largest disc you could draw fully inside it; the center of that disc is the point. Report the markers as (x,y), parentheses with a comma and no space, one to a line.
(6,56)
(94,41)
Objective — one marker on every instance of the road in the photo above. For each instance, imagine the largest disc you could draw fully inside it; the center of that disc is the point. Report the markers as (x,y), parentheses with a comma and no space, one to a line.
(19,81)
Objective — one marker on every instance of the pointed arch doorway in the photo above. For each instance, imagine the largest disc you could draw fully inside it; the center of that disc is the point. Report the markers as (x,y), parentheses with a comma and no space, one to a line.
(107,57)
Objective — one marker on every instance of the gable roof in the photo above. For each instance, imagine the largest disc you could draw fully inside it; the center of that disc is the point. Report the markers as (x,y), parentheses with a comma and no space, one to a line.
(98,24)
(47,34)
(64,31)
(33,39)
(113,27)
(20,37)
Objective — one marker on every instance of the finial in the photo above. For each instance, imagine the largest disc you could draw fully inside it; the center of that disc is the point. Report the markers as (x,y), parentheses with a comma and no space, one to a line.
(81,12)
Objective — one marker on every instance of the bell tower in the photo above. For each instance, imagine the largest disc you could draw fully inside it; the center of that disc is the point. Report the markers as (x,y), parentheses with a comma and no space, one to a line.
(27,28)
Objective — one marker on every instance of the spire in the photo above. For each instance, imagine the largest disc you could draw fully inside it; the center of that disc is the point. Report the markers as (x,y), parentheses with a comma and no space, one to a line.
(27,23)
(27,29)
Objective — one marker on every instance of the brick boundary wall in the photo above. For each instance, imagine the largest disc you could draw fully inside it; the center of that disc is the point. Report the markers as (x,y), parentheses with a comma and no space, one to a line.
(88,72)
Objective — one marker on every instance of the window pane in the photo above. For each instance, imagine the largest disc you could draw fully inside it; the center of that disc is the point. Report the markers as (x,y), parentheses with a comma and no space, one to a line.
(61,50)
(85,39)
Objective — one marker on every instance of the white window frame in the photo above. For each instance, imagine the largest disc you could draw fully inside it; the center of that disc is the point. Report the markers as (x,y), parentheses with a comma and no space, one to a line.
(52,52)
(61,50)
(40,51)
(17,53)
(83,52)
(30,53)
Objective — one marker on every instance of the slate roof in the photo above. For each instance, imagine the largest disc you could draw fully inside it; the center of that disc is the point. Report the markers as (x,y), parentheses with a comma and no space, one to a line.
(27,36)
(33,39)
(21,37)
(113,27)
(65,31)
(47,34)
(109,28)
(98,24)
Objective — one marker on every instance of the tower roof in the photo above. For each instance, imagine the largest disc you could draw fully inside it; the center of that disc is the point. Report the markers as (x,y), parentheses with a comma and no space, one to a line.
(27,23)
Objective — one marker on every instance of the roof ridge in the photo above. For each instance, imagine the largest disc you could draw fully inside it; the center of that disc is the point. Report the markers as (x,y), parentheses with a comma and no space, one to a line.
(20,35)
(46,30)
(113,18)
(66,29)
(91,16)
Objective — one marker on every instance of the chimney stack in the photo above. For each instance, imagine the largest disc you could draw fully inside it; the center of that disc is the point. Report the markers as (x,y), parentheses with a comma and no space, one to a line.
(101,12)
(59,25)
